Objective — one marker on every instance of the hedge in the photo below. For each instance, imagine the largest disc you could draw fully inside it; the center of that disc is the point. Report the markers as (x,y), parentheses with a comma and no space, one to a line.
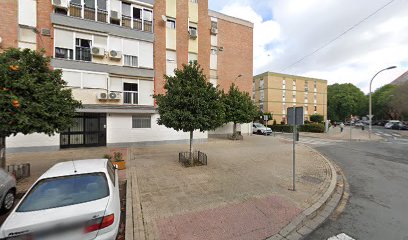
(313,127)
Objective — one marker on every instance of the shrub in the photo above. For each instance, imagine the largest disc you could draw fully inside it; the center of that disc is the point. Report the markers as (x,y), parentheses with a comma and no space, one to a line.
(313,127)
(274,122)
(281,128)
(316,118)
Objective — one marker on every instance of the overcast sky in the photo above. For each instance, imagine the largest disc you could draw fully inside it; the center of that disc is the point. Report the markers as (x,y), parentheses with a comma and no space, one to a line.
(287,30)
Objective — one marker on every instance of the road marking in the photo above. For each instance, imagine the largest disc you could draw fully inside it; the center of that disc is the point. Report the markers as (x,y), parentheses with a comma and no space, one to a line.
(386,134)
(396,135)
(378,134)
(341,236)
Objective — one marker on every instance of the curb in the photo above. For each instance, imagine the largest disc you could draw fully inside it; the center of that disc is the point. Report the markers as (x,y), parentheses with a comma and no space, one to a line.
(312,217)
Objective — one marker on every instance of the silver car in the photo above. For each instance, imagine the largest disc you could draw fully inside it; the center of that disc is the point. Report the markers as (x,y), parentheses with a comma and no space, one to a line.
(7,191)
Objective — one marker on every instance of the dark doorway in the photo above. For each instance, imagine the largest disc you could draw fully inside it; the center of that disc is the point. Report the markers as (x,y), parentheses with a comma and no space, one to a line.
(89,130)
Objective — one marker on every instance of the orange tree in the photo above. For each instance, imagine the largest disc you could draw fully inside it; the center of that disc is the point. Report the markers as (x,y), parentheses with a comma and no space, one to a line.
(33,97)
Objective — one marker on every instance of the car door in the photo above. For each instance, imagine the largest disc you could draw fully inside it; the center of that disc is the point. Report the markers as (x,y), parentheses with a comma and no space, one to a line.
(3,182)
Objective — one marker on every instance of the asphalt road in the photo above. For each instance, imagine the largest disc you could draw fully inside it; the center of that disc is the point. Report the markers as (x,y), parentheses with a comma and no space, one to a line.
(378,176)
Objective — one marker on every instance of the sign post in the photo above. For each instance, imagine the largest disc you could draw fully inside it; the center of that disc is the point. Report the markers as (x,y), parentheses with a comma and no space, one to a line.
(296,117)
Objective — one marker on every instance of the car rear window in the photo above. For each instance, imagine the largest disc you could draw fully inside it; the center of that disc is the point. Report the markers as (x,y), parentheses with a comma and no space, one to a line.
(65,191)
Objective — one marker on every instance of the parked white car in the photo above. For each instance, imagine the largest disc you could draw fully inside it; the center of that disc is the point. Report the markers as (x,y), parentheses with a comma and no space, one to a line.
(7,191)
(390,123)
(261,129)
(75,200)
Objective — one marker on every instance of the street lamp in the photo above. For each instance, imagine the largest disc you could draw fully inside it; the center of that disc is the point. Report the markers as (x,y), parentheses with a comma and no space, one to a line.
(370,116)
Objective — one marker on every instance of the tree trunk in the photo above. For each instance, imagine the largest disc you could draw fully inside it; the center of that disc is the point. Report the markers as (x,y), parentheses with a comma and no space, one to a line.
(191,148)
(234,130)
(3,152)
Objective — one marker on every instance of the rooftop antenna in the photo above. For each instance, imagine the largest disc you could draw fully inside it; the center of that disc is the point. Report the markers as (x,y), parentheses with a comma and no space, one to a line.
(73,164)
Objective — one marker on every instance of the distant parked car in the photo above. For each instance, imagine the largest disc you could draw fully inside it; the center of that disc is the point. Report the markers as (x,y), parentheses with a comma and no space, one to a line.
(399,126)
(390,123)
(7,191)
(359,124)
(261,129)
(73,200)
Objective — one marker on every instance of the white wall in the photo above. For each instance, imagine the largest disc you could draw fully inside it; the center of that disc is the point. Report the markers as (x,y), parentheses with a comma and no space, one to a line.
(119,130)
(32,140)
(245,129)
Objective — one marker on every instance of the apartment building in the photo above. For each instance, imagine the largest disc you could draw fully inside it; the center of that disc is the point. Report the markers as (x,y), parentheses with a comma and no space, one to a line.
(275,92)
(113,55)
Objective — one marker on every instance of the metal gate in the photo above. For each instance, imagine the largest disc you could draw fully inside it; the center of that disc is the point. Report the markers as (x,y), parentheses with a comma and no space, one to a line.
(89,130)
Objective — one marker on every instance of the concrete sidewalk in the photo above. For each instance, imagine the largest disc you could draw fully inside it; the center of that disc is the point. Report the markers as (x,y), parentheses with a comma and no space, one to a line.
(241,194)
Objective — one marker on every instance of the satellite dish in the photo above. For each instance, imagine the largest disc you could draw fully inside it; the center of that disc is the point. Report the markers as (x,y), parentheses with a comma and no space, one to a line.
(164,18)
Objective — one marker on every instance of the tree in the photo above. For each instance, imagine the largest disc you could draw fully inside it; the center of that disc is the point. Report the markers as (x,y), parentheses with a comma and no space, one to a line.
(190,103)
(260,117)
(398,106)
(316,118)
(344,100)
(33,97)
(239,108)
(381,100)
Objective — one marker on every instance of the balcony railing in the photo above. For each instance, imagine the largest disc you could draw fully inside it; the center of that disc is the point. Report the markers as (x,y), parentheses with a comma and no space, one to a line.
(148,26)
(102,16)
(130,97)
(137,24)
(75,10)
(83,54)
(89,13)
(126,21)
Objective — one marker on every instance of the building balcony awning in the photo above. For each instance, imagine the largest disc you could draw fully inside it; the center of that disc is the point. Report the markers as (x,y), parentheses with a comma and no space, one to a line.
(106,108)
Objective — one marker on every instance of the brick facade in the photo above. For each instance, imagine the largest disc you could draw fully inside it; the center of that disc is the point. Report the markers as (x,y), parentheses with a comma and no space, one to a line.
(159,46)
(44,10)
(8,24)
(237,55)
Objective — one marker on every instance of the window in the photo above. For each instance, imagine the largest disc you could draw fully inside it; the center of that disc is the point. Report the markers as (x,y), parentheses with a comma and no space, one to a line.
(131,61)
(213,51)
(194,1)
(102,5)
(214,24)
(130,93)
(83,49)
(194,28)
(147,15)
(126,9)
(141,122)
(77,2)
(171,23)
(65,191)
(64,53)
(89,4)
(137,13)
(315,108)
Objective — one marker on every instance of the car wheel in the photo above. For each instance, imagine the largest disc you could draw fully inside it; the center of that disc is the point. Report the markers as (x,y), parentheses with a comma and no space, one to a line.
(259,132)
(8,201)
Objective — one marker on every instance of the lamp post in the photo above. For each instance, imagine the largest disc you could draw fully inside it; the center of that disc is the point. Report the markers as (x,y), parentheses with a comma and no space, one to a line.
(370,116)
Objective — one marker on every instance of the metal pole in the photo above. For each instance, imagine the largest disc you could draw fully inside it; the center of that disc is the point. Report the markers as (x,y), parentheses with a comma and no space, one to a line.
(370,116)
(294,149)
(351,117)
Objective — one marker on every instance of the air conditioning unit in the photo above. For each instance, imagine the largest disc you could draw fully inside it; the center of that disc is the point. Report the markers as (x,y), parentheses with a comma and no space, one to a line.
(193,33)
(113,54)
(60,3)
(97,51)
(102,96)
(115,96)
(214,31)
(114,15)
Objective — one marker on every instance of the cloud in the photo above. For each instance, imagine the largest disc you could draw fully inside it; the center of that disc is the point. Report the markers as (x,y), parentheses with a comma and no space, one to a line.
(287,30)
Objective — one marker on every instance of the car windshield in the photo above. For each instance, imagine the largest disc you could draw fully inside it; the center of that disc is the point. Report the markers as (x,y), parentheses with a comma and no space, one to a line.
(65,191)
(258,125)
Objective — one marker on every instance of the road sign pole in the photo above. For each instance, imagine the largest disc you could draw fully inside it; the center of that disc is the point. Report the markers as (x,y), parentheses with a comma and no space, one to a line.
(294,150)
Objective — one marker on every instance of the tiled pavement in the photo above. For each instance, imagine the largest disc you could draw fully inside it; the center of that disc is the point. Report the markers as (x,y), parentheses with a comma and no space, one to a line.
(242,193)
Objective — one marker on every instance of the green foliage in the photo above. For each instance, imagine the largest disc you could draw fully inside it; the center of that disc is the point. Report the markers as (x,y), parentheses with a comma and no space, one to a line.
(381,100)
(345,100)
(260,117)
(239,107)
(398,107)
(190,102)
(118,157)
(33,97)
(107,156)
(316,118)
(313,127)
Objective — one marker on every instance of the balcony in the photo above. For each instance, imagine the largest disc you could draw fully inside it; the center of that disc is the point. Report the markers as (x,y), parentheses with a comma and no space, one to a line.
(101,15)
